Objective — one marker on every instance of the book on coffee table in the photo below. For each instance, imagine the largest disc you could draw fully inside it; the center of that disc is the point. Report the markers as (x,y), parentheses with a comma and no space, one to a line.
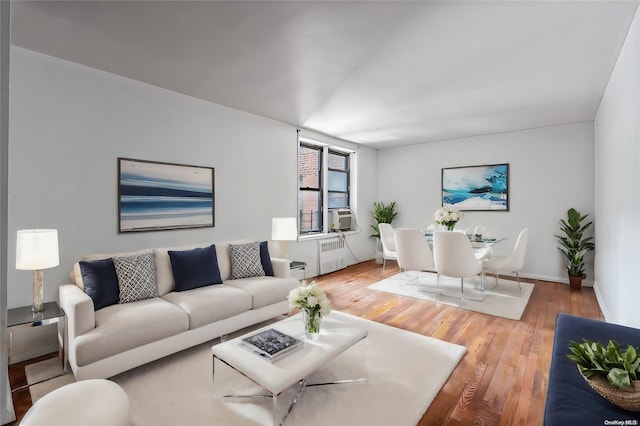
(271,344)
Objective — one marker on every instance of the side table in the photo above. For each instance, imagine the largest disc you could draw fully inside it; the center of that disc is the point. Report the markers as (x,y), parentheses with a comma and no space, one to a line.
(297,265)
(23,317)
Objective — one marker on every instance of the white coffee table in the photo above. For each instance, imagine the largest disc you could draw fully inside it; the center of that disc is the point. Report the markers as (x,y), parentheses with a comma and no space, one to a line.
(336,336)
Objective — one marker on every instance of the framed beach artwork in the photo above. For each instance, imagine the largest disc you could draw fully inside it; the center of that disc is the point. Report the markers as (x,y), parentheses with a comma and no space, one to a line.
(476,188)
(156,196)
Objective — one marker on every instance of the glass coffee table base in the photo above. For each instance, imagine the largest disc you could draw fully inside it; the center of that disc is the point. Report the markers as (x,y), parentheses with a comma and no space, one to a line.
(287,378)
(300,387)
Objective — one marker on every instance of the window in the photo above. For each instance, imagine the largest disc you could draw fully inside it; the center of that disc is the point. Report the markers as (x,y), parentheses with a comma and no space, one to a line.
(338,180)
(324,184)
(310,193)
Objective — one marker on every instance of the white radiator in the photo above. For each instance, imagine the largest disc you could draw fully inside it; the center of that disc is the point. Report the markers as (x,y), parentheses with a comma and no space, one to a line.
(331,254)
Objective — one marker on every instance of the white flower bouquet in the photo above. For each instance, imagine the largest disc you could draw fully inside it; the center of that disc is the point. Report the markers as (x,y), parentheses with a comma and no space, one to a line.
(309,297)
(314,304)
(447,216)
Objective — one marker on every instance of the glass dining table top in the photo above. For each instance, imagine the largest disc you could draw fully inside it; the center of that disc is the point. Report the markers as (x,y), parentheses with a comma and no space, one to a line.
(475,243)
(486,242)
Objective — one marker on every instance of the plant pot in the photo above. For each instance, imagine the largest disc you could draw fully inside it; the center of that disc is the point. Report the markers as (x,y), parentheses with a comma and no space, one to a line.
(627,399)
(575,282)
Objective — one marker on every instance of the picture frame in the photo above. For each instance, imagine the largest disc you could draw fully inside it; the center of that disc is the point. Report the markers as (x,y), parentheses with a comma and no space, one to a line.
(155,196)
(476,188)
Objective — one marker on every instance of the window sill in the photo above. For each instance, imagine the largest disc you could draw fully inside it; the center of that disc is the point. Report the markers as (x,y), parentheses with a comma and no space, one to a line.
(325,235)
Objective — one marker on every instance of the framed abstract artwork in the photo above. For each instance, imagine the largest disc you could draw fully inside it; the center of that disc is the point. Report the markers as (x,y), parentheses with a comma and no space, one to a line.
(156,196)
(476,188)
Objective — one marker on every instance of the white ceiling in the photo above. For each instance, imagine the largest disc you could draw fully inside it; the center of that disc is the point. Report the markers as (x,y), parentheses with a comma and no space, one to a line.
(380,73)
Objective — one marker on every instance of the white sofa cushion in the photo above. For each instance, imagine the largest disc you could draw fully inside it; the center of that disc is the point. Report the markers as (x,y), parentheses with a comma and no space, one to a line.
(224,261)
(126,326)
(211,303)
(265,290)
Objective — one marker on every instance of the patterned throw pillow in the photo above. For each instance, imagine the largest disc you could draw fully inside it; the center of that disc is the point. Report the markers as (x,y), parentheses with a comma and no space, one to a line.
(245,260)
(136,277)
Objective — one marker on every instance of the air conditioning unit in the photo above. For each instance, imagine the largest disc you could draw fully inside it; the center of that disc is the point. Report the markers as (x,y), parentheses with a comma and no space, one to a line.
(341,220)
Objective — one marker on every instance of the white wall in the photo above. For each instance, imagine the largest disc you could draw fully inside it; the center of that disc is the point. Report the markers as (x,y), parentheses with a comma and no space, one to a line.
(551,170)
(68,126)
(7,413)
(617,187)
(70,123)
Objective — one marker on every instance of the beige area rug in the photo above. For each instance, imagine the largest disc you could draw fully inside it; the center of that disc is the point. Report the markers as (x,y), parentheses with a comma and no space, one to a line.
(43,371)
(404,372)
(504,300)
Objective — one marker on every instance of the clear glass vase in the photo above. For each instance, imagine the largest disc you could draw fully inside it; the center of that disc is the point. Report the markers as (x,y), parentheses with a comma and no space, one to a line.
(311,321)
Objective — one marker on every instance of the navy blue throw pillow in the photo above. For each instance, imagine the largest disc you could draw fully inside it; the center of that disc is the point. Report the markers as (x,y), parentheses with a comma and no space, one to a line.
(100,282)
(195,268)
(265,259)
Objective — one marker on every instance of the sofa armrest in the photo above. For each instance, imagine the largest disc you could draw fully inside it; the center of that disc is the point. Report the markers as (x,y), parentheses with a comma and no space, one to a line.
(570,400)
(280,267)
(78,307)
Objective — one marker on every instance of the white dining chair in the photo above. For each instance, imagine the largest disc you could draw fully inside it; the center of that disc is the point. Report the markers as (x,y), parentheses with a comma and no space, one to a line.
(513,262)
(453,256)
(388,245)
(413,253)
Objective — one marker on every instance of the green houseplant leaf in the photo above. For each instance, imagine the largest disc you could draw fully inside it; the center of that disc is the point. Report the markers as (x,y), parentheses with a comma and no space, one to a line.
(619,378)
(593,359)
(382,213)
(574,244)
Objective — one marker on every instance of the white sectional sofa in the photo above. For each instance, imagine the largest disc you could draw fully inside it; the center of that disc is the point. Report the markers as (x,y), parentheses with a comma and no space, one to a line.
(115,338)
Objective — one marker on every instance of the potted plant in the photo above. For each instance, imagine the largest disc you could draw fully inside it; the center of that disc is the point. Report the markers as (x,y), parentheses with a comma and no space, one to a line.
(610,372)
(574,245)
(381,213)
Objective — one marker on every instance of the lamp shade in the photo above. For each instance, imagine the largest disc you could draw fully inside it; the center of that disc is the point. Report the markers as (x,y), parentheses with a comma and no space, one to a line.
(37,249)
(284,229)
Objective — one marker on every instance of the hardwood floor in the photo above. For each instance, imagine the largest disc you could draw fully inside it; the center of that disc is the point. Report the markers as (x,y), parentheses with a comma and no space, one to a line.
(18,379)
(501,380)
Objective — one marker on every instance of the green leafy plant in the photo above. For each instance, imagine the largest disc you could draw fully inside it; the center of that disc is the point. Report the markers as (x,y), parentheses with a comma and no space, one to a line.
(382,213)
(573,244)
(593,359)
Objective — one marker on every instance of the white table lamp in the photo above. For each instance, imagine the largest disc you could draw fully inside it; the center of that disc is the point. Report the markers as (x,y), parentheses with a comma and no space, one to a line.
(284,229)
(37,249)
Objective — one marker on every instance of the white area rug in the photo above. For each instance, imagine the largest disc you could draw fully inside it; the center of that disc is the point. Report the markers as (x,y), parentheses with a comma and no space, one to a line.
(44,370)
(505,300)
(404,371)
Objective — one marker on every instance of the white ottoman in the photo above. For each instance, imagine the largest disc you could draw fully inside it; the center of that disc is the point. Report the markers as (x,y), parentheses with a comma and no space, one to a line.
(95,402)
